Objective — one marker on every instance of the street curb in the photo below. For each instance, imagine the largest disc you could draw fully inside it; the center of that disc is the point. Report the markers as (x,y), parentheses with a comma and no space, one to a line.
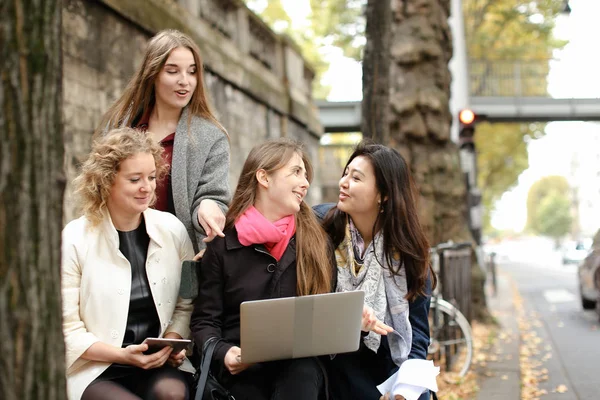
(500,379)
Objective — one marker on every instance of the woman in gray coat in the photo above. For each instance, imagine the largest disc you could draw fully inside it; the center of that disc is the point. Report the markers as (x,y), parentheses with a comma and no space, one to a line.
(166,97)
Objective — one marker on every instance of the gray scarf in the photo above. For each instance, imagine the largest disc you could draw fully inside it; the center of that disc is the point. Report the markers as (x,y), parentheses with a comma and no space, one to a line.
(384,292)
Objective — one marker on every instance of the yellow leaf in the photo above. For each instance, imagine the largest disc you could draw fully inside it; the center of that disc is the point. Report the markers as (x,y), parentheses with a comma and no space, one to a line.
(561,389)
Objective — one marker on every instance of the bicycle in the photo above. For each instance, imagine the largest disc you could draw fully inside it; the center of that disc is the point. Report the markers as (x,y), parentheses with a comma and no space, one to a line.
(451,345)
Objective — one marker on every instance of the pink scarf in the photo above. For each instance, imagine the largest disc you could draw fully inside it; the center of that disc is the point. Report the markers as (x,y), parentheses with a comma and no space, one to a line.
(253,228)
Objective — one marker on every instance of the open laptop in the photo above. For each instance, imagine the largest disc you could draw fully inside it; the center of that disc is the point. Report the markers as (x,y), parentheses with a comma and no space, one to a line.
(295,327)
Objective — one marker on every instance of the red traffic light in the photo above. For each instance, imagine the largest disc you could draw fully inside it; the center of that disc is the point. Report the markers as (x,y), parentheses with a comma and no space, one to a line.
(466,116)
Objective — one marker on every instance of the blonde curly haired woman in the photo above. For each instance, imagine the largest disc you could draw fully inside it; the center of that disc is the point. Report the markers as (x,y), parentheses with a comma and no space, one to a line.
(121,271)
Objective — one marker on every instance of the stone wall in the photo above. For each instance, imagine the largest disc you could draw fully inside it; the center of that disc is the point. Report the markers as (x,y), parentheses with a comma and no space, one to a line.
(258,82)
(332,159)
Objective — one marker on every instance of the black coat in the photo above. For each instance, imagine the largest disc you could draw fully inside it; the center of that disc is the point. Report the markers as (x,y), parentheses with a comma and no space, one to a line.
(230,274)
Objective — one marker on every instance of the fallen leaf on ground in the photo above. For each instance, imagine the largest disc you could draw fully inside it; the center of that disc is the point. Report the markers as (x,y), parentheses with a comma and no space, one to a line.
(561,389)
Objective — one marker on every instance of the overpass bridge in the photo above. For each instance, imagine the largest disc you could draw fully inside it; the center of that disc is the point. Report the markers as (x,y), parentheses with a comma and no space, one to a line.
(500,91)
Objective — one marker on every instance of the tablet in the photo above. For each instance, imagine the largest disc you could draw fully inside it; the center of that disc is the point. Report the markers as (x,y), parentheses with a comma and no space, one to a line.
(296,327)
(156,344)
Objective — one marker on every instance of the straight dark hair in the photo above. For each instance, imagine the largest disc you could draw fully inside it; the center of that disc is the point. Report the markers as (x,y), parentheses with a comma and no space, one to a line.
(403,235)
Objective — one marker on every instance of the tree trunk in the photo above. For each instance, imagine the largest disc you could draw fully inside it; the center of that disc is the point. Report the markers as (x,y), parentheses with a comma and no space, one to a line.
(32,365)
(420,120)
(376,71)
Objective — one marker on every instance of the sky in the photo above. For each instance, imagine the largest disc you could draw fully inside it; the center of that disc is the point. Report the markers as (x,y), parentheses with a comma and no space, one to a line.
(576,74)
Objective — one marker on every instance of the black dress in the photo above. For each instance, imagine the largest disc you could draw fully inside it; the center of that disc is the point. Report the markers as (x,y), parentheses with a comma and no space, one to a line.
(142,319)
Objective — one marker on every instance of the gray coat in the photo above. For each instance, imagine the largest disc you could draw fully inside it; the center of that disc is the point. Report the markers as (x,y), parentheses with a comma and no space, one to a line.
(199,170)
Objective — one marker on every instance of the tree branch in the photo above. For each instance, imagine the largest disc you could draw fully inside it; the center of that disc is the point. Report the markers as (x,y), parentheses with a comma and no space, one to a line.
(479,17)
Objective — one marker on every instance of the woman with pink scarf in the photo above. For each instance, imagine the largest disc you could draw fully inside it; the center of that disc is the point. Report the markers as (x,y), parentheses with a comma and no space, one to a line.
(273,247)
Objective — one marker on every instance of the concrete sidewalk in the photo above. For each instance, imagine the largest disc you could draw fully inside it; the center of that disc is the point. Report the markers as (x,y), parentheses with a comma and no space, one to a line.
(501,378)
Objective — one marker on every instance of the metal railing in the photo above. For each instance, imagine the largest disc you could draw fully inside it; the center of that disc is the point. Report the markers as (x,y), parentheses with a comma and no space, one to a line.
(509,78)
(454,275)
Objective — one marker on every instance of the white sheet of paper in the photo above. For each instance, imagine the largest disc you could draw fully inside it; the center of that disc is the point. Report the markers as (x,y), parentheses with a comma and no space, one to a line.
(412,379)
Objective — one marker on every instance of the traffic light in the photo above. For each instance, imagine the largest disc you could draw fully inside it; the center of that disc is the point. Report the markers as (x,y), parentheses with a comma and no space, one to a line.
(468,158)
(467,119)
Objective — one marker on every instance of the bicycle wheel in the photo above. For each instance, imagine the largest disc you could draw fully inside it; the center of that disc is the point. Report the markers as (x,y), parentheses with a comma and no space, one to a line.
(451,339)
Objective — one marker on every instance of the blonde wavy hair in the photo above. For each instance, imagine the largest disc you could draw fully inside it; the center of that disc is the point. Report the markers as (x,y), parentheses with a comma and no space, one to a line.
(139,95)
(97,176)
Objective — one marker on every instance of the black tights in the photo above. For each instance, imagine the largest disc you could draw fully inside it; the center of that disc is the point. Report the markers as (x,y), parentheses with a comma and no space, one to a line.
(163,383)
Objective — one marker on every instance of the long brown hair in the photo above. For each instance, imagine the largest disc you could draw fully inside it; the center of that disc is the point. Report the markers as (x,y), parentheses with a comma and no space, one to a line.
(313,263)
(97,176)
(398,219)
(139,95)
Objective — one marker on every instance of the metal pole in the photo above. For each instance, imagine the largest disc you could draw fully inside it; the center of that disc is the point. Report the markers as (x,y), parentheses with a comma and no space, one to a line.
(459,66)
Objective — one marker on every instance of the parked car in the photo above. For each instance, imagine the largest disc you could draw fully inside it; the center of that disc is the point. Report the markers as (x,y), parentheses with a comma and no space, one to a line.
(589,280)
(575,252)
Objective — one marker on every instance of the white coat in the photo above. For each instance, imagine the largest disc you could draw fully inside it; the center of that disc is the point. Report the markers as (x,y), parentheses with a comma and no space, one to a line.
(96,284)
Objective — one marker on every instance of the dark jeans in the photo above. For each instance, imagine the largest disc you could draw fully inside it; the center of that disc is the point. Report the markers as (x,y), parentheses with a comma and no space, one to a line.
(356,375)
(298,379)
(131,383)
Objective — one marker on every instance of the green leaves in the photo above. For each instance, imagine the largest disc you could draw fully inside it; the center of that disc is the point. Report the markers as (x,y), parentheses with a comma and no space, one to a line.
(554,216)
(501,29)
(549,207)
(340,23)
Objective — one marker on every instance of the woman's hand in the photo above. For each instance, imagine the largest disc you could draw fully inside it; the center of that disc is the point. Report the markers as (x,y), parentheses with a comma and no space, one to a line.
(233,361)
(175,359)
(211,218)
(387,397)
(371,323)
(134,355)
(198,256)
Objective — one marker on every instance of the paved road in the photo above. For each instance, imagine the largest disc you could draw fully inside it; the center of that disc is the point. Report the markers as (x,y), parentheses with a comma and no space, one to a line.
(570,337)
